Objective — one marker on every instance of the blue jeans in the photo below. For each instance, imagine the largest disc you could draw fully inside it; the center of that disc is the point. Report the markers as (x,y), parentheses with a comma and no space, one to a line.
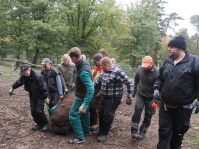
(79,123)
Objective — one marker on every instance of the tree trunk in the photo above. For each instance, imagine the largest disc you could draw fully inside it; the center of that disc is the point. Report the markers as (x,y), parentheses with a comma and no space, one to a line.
(36,56)
(134,61)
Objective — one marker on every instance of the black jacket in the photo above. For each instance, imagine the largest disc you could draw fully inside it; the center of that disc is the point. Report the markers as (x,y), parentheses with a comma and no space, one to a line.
(50,78)
(80,89)
(144,82)
(179,84)
(34,84)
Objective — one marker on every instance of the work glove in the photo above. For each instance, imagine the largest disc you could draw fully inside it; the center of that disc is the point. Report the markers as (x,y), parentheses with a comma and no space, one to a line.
(46,101)
(156,94)
(61,97)
(154,103)
(82,109)
(128,100)
(196,104)
(11,91)
(133,95)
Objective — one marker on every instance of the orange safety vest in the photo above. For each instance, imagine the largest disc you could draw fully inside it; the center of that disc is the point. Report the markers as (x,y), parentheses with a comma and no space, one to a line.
(96,73)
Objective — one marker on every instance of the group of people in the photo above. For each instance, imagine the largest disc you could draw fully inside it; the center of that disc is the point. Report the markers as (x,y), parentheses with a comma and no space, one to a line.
(99,90)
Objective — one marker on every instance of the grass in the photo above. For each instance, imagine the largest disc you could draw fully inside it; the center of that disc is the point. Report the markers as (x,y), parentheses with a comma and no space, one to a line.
(9,74)
(194,142)
(8,67)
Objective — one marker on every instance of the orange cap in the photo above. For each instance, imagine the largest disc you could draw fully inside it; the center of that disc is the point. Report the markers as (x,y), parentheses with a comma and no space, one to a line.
(146,61)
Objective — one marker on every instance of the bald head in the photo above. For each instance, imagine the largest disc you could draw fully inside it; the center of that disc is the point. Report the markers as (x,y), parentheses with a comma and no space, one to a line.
(106,63)
(106,60)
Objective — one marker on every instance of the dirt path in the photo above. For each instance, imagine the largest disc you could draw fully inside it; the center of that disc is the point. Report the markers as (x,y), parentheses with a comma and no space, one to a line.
(16,123)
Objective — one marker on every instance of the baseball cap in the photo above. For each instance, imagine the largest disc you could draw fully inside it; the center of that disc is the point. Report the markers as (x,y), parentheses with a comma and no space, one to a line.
(45,61)
(24,69)
(146,61)
(97,57)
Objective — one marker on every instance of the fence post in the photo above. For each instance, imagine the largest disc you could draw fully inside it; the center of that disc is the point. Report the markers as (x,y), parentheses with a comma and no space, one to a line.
(12,67)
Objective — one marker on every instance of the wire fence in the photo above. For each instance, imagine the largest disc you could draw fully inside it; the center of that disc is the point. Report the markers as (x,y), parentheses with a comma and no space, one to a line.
(9,66)
(128,70)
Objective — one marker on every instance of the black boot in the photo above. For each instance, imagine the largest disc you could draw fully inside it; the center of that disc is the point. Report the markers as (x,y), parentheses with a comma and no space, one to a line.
(134,134)
(37,127)
(102,138)
(140,136)
(143,130)
(45,127)
(134,130)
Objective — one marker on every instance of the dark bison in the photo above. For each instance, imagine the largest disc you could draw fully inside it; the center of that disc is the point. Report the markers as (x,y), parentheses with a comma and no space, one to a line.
(59,121)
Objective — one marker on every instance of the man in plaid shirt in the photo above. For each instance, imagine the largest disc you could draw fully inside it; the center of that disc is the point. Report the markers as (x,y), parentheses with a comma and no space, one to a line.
(111,81)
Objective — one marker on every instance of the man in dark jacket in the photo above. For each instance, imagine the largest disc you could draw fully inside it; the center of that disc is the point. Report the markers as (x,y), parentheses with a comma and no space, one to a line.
(34,83)
(143,91)
(178,85)
(79,113)
(53,80)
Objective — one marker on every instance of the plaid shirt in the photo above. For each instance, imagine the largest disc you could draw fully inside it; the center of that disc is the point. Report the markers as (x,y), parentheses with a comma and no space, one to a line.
(111,83)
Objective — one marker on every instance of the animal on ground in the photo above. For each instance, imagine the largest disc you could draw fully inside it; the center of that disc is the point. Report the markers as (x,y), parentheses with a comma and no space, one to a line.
(59,121)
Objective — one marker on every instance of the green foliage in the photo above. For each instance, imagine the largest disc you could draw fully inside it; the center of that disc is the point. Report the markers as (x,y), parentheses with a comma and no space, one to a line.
(34,29)
(143,32)
(194,20)
(166,21)
(92,24)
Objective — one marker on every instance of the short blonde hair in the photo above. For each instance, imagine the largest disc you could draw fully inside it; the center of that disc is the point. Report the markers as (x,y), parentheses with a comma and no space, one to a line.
(113,61)
(83,56)
(103,52)
(66,55)
(74,52)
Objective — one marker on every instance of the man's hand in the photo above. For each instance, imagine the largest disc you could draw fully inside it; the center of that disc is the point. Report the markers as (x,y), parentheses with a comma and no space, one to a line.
(133,95)
(65,90)
(11,91)
(156,94)
(129,101)
(196,104)
(46,101)
(73,85)
(82,109)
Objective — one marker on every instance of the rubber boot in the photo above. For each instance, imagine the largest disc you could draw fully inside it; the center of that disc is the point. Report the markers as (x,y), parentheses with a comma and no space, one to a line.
(143,130)
(134,130)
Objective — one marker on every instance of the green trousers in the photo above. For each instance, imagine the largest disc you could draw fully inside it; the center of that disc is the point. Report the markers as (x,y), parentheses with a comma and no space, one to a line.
(79,123)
